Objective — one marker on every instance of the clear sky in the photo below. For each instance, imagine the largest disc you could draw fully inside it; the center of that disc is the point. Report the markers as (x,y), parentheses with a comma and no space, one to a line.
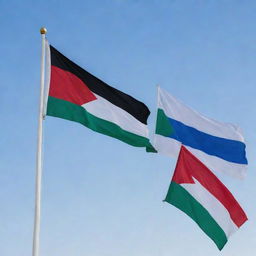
(100,196)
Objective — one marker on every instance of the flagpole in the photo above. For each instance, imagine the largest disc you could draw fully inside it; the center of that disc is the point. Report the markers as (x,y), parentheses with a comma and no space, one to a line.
(37,217)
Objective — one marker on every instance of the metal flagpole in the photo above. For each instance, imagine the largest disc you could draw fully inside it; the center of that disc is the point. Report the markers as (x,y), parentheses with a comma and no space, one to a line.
(36,234)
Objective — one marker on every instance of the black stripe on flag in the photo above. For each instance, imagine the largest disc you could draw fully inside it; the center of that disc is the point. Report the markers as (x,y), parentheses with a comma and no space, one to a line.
(134,107)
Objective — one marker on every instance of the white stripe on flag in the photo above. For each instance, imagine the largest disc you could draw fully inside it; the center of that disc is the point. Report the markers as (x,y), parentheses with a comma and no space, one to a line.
(175,109)
(213,206)
(104,109)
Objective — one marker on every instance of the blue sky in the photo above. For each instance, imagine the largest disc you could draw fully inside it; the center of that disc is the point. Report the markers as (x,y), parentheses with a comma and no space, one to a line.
(101,196)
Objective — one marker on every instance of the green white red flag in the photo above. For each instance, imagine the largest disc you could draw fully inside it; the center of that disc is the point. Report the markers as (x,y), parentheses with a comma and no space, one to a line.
(196,191)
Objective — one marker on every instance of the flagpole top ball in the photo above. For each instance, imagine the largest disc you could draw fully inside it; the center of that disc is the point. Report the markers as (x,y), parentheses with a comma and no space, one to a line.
(43,31)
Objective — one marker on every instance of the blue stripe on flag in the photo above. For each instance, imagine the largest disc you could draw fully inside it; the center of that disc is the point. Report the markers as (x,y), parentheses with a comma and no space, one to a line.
(229,150)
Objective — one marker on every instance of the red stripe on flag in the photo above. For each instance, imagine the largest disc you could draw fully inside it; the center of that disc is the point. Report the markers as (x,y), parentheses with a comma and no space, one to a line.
(66,86)
(189,166)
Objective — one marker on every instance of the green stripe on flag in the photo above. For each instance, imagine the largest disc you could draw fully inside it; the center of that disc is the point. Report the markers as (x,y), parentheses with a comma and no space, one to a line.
(163,125)
(70,111)
(179,197)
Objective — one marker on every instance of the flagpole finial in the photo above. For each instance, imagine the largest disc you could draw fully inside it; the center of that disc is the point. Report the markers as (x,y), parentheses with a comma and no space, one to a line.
(43,31)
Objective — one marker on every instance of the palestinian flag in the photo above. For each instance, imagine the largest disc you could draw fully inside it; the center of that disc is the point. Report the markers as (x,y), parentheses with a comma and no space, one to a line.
(196,191)
(78,96)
